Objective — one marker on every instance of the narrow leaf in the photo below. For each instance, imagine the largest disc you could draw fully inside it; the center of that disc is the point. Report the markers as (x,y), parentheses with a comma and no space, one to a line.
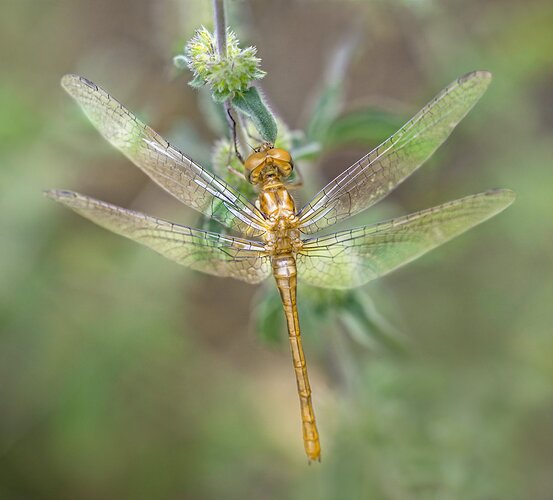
(366,127)
(251,104)
(268,316)
(330,99)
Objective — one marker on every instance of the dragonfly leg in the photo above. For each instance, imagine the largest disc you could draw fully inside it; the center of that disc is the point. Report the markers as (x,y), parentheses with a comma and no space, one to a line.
(232,124)
(239,174)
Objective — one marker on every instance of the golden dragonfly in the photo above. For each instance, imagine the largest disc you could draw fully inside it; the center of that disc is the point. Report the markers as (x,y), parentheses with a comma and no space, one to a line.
(276,231)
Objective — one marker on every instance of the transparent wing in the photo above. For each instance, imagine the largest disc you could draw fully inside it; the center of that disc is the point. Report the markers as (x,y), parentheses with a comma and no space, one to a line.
(380,171)
(204,251)
(351,258)
(168,167)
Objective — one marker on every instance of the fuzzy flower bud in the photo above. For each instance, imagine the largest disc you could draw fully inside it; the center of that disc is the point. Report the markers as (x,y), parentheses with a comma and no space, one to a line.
(226,76)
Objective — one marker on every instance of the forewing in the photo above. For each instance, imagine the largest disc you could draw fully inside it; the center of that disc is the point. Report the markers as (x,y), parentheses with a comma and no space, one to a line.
(200,250)
(381,170)
(351,258)
(168,167)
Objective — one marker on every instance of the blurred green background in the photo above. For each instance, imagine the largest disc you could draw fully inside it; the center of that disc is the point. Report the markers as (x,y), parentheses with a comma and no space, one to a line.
(123,375)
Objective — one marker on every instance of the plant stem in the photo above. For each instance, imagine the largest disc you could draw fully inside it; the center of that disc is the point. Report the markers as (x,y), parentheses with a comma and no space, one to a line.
(220,26)
(236,130)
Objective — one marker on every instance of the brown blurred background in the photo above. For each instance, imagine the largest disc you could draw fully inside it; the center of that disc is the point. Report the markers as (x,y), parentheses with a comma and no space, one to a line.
(123,375)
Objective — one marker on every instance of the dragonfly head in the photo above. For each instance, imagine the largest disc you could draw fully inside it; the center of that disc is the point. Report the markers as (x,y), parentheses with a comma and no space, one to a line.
(268,162)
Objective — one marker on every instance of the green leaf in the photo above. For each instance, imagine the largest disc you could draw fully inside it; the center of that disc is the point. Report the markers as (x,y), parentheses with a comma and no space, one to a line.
(327,108)
(180,61)
(251,104)
(220,97)
(366,325)
(268,316)
(363,127)
(307,151)
(196,82)
(330,100)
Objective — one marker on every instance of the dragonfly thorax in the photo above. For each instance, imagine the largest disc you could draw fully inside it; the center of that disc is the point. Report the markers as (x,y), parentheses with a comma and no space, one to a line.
(277,205)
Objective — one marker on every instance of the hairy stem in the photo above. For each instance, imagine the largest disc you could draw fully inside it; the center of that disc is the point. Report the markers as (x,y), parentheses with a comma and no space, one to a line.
(236,131)
(220,26)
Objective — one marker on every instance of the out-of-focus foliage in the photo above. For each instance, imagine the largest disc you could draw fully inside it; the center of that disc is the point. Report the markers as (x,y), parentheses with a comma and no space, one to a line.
(125,376)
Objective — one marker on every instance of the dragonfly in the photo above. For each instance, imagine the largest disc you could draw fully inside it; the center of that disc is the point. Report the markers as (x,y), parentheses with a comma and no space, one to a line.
(270,235)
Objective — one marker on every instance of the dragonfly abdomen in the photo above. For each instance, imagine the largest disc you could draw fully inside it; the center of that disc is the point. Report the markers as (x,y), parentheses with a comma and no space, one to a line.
(285,273)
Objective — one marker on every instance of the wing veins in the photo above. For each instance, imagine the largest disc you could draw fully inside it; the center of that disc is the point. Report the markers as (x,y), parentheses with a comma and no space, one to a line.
(353,257)
(331,205)
(163,163)
(201,250)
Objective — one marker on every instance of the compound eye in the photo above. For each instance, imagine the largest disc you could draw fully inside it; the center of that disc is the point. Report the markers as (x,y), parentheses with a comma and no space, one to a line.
(255,160)
(279,154)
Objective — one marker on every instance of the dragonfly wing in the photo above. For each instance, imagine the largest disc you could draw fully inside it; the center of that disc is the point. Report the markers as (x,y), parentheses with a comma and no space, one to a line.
(183,178)
(351,258)
(200,250)
(381,170)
